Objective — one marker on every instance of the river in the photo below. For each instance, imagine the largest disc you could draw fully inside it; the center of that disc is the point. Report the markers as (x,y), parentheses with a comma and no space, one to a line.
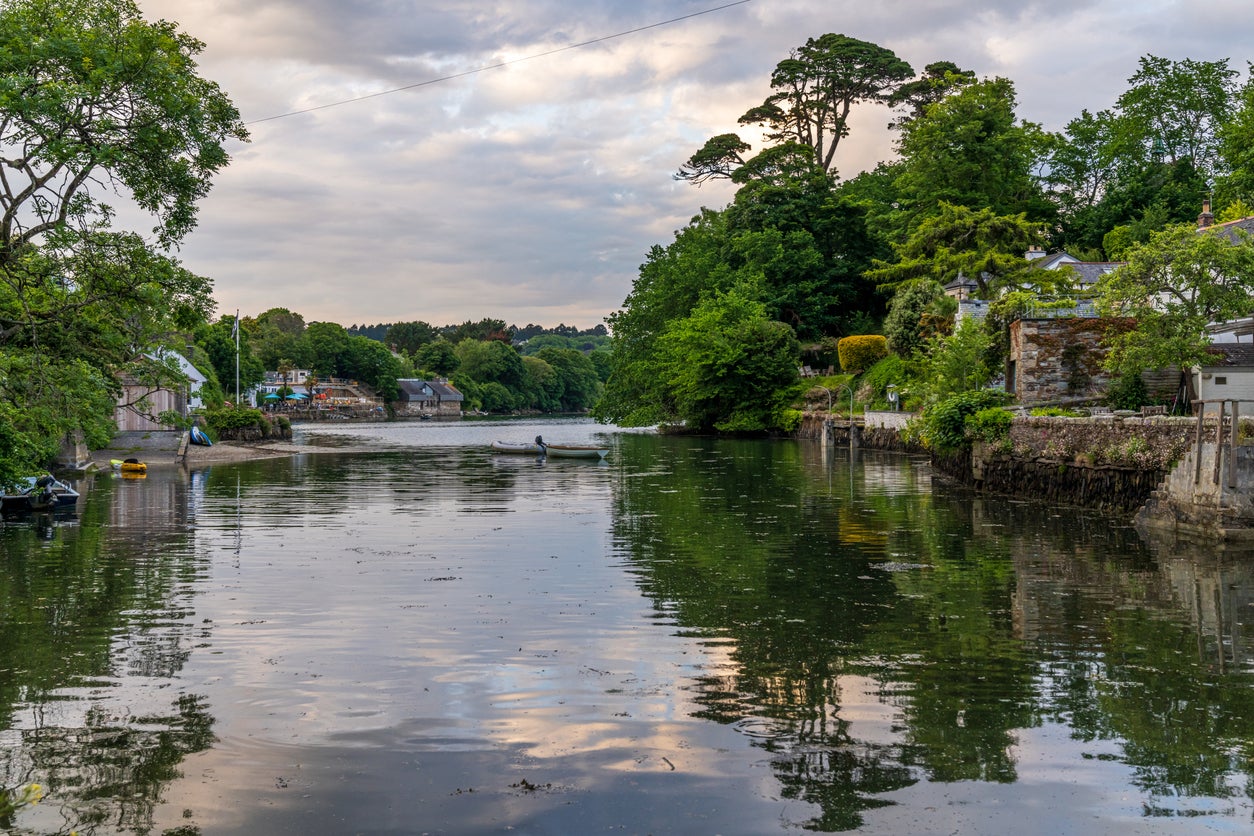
(407,633)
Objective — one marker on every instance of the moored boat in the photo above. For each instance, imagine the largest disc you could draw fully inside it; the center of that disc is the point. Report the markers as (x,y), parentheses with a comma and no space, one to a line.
(524,447)
(575,451)
(42,493)
(128,466)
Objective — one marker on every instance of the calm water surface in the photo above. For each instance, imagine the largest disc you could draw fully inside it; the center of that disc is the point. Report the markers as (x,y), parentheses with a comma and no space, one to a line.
(407,633)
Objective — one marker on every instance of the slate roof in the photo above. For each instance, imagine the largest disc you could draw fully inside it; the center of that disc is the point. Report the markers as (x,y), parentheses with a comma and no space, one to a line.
(1232,355)
(413,389)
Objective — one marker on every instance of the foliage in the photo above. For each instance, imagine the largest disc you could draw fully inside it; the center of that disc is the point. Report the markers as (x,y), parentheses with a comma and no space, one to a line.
(990,425)
(727,367)
(958,362)
(970,150)
(410,336)
(892,370)
(959,242)
(438,357)
(1179,106)
(944,424)
(814,90)
(1173,286)
(1128,391)
(859,353)
(245,423)
(1054,412)
(913,314)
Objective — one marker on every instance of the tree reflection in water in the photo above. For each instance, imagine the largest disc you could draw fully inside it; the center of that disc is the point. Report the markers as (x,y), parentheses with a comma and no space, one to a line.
(977,618)
(93,623)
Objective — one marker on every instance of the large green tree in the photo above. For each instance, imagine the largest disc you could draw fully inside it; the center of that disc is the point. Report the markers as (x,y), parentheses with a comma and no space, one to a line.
(95,101)
(970,149)
(1174,285)
(814,90)
(727,367)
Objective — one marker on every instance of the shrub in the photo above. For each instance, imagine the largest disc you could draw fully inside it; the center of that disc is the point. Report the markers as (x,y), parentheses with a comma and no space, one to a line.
(1128,392)
(857,354)
(1054,412)
(945,423)
(891,369)
(991,425)
(245,424)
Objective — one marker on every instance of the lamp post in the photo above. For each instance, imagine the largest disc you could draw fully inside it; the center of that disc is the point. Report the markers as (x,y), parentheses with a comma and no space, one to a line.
(829,396)
(843,388)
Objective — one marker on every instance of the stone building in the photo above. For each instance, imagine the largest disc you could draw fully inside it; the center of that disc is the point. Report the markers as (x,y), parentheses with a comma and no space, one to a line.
(1059,358)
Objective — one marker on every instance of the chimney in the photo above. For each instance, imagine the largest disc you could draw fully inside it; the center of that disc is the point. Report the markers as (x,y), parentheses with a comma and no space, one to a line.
(1034,252)
(1206,218)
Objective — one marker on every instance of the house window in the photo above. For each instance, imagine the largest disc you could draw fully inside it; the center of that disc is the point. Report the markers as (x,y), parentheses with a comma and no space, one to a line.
(1221,381)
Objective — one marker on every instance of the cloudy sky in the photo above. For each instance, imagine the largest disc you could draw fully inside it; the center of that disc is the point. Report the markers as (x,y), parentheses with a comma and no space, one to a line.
(532,192)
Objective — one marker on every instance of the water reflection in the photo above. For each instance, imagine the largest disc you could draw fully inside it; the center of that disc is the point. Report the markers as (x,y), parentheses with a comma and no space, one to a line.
(976,620)
(697,636)
(93,624)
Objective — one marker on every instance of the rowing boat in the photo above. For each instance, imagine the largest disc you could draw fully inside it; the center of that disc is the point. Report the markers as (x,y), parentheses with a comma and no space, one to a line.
(572,451)
(524,447)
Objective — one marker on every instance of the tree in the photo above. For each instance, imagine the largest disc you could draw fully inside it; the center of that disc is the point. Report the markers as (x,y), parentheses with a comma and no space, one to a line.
(370,362)
(815,89)
(410,336)
(492,361)
(95,99)
(728,367)
(982,246)
(913,314)
(438,357)
(325,344)
(1174,286)
(579,385)
(957,362)
(1176,108)
(971,150)
(939,79)
(219,346)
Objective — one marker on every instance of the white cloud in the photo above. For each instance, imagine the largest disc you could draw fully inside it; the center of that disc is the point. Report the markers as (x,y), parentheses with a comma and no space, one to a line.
(533,192)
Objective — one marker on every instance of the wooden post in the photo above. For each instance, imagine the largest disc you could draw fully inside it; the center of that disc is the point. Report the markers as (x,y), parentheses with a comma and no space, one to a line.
(1219,444)
(1232,445)
(1197,444)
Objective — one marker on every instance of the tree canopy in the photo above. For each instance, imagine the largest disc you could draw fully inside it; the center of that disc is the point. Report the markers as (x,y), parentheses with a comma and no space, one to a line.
(96,103)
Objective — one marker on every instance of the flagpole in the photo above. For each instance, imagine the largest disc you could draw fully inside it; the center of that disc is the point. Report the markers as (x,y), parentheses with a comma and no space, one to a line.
(237,356)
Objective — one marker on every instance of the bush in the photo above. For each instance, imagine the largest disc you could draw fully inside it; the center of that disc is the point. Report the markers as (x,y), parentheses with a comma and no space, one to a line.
(1128,392)
(245,424)
(991,425)
(1054,412)
(890,370)
(945,423)
(857,354)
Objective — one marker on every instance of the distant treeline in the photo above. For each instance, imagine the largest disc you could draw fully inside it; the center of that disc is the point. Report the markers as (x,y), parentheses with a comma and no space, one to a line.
(454,333)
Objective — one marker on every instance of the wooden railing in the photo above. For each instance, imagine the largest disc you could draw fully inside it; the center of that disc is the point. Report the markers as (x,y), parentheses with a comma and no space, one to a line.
(1229,417)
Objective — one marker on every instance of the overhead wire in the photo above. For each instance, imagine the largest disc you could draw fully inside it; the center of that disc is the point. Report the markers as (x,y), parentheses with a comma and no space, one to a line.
(497,65)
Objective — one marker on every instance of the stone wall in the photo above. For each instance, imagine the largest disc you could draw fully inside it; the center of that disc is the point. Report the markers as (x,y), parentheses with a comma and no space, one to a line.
(1192,501)
(1060,359)
(1154,443)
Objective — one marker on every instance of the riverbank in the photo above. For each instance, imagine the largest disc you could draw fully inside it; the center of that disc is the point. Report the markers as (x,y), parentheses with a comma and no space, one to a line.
(169,449)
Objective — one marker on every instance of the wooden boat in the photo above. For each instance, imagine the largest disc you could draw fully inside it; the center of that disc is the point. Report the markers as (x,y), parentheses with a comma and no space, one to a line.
(526,448)
(43,493)
(128,466)
(574,451)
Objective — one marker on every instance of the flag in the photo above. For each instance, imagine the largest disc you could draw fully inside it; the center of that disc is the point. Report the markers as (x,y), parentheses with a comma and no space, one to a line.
(235,327)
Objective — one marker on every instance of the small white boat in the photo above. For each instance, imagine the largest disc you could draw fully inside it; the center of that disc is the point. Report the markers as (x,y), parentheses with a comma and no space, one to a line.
(540,447)
(524,447)
(573,451)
